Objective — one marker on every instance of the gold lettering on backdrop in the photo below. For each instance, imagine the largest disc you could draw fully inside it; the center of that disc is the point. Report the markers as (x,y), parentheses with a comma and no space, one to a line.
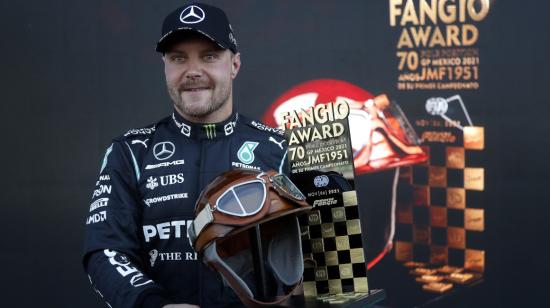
(432,36)
(429,29)
(404,12)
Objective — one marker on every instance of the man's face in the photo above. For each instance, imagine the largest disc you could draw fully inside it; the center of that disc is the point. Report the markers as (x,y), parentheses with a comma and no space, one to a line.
(199,76)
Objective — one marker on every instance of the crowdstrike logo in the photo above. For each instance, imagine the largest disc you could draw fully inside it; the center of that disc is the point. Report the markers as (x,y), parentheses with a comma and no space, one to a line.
(192,15)
(154,200)
(164,150)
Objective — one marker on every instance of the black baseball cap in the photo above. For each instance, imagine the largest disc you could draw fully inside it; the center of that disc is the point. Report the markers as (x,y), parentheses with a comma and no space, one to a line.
(207,20)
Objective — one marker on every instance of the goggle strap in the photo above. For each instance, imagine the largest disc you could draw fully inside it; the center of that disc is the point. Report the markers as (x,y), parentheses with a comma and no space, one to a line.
(203,219)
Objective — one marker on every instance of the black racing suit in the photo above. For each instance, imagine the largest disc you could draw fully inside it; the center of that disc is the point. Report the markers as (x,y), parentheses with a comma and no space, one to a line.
(136,249)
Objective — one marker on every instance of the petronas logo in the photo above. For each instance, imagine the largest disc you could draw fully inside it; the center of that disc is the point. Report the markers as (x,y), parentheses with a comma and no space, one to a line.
(210,130)
(246,152)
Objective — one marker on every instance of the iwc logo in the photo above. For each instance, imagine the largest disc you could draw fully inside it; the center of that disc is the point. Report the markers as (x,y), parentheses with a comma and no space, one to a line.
(246,152)
(192,15)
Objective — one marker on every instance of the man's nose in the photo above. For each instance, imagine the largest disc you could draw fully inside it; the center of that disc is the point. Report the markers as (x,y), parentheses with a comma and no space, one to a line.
(194,69)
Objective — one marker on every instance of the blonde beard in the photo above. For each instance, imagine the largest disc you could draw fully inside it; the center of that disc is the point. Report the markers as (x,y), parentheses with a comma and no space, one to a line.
(198,113)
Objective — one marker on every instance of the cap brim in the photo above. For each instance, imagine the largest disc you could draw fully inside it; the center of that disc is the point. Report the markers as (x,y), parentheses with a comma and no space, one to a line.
(180,34)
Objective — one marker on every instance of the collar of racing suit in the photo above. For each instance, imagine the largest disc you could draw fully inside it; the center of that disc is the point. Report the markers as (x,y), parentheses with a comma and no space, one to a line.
(205,130)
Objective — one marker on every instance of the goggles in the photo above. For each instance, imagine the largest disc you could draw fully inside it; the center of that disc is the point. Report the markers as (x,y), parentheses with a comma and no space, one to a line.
(240,197)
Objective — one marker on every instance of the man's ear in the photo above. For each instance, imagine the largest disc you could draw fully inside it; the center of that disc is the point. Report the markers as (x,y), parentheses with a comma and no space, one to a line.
(235,64)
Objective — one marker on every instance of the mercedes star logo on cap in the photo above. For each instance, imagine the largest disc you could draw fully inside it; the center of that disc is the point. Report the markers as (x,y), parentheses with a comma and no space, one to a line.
(164,150)
(192,15)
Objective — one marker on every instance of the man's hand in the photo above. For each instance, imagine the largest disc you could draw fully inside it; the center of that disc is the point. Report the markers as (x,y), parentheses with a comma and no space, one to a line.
(180,306)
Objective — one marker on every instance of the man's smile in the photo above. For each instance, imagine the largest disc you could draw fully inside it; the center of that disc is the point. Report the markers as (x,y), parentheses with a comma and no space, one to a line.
(196,88)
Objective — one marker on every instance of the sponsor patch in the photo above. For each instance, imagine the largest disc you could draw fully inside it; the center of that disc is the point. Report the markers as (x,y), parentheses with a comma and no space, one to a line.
(165,180)
(166,164)
(166,230)
(154,200)
(246,152)
(266,128)
(279,143)
(125,268)
(244,166)
(102,189)
(99,203)
(140,131)
(164,150)
(97,217)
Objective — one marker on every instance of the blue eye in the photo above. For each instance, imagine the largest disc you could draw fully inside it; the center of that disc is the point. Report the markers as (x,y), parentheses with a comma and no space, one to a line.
(210,58)
(176,58)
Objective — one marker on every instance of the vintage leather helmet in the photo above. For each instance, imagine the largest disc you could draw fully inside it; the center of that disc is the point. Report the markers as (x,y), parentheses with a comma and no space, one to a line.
(241,200)
(388,140)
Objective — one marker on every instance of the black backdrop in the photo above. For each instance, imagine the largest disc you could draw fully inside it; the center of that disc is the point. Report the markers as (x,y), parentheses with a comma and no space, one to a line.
(77,73)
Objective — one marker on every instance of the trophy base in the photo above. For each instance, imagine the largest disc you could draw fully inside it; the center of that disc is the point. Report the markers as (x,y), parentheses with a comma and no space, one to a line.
(348,300)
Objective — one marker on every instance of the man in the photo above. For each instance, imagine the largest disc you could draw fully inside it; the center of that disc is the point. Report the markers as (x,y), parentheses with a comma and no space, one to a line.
(136,249)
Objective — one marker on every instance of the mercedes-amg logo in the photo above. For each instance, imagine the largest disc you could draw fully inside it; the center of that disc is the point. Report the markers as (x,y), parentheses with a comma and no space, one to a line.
(192,15)
(164,150)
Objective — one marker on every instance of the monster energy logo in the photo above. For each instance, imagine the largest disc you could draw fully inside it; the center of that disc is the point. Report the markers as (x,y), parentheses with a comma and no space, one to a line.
(210,130)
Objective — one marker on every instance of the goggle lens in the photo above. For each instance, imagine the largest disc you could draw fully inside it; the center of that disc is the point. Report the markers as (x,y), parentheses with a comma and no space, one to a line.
(243,200)
(285,185)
